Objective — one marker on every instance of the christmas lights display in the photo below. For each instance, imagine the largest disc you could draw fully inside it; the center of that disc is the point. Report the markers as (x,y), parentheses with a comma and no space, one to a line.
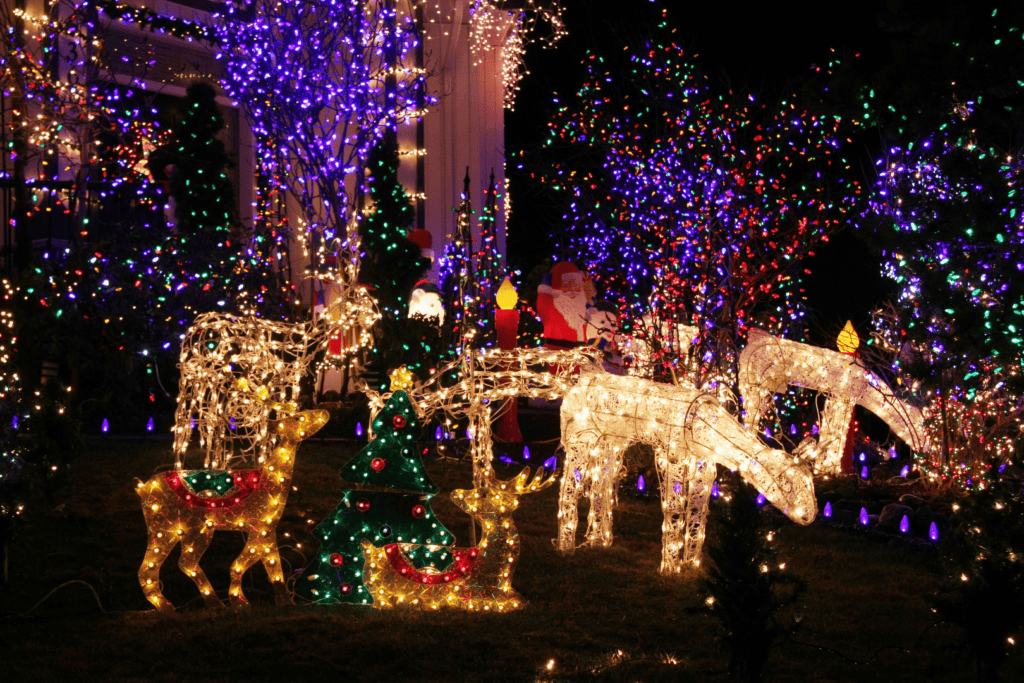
(489,271)
(457,289)
(87,158)
(188,506)
(477,387)
(323,82)
(390,461)
(700,204)
(504,27)
(480,577)
(220,348)
(691,432)
(768,365)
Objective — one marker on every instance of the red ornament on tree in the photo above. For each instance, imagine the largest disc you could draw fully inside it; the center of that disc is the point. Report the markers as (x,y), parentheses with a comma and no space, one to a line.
(362,505)
(378,464)
(337,559)
(399,421)
(345,589)
(419,512)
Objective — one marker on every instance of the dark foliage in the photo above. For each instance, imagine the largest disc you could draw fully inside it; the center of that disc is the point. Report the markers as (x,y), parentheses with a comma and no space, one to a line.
(983,588)
(745,586)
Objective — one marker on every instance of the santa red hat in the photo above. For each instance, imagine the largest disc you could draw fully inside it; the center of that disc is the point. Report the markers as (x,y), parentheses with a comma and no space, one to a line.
(424,240)
(559,271)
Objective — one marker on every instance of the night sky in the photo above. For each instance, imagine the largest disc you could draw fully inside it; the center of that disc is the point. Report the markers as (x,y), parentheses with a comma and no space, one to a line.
(763,50)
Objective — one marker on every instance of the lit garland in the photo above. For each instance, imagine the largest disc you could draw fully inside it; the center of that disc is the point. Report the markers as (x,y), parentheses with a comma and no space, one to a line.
(691,432)
(505,29)
(708,200)
(489,272)
(481,577)
(178,510)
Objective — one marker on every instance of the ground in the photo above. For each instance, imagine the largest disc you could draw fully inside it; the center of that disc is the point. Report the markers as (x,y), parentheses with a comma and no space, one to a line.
(583,609)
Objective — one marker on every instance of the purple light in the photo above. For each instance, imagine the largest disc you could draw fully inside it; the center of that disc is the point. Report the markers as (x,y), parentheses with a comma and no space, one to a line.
(828,509)
(761,499)
(359,430)
(905,471)
(714,489)
(933,532)
(551,463)
(149,425)
(864,472)
(526,452)
(904,524)
(438,433)
(864,516)
(105,427)
(640,483)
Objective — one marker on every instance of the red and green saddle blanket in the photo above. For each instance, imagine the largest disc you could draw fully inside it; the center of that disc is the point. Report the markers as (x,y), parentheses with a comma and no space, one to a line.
(213,489)
(461,567)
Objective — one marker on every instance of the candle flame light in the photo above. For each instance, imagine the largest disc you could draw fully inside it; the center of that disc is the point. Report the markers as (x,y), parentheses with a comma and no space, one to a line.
(506,296)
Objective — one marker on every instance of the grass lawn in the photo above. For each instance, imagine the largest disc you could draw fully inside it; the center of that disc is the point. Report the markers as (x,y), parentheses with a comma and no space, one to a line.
(583,609)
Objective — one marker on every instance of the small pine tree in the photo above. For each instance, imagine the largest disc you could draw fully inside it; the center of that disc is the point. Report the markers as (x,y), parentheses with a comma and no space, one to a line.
(745,585)
(983,589)
(392,264)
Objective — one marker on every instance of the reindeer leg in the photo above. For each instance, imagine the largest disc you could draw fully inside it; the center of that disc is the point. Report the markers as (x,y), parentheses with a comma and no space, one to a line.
(250,555)
(685,492)
(835,421)
(161,542)
(576,455)
(604,472)
(193,545)
(272,563)
(261,544)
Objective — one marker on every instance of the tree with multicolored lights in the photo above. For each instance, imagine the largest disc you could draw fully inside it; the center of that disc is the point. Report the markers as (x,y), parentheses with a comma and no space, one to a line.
(692,203)
(945,212)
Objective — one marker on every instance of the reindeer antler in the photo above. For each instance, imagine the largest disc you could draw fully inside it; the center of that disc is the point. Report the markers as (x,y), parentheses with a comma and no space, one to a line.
(539,482)
(261,394)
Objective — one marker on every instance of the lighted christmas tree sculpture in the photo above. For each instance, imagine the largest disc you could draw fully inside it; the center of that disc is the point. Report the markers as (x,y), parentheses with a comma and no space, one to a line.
(390,461)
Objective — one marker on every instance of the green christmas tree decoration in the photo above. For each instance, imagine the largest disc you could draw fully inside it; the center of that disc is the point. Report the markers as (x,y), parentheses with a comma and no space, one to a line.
(390,461)
(381,518)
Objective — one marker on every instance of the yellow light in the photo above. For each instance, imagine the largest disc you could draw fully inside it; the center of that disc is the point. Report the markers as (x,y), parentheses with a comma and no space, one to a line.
(402,379)
(848,340)
(507,297)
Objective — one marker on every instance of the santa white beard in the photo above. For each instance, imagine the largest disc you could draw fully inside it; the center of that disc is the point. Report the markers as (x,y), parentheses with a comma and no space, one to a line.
(573,310)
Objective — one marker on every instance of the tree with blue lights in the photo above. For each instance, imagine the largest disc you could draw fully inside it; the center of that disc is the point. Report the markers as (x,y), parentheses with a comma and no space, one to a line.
(322,82)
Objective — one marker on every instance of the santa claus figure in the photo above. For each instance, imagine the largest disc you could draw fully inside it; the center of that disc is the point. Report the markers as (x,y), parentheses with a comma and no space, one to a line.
(425,302)
(562,301)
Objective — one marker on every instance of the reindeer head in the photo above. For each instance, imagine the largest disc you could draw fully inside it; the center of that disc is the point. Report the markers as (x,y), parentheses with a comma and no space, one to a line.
(502,498)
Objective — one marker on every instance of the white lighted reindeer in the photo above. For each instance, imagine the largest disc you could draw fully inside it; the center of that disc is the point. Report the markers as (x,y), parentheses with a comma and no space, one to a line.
(769,364)
(691,433)
(219,348)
